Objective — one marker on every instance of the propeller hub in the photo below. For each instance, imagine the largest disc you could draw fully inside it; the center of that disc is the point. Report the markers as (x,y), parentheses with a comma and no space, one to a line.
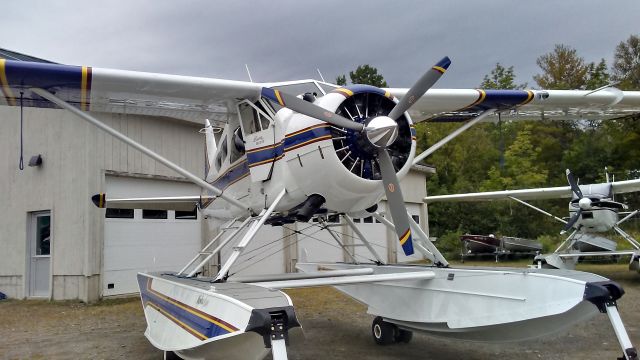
(381,131)
(585,203)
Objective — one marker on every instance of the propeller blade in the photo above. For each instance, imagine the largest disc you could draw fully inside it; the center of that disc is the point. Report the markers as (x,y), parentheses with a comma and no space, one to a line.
(306,108)
(572,221)
(395,201)
(420,87)
(574,186)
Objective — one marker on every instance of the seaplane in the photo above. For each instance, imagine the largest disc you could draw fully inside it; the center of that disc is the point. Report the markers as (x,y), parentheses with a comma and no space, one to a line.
(299,150)
(592,211)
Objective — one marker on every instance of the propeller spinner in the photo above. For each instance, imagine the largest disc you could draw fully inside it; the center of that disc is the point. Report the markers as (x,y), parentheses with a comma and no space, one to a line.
(381,132)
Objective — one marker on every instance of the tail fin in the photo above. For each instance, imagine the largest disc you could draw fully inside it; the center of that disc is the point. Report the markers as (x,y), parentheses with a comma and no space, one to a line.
(210,148)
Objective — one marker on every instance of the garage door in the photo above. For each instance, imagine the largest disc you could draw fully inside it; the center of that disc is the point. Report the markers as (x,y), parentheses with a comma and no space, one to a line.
(146,240)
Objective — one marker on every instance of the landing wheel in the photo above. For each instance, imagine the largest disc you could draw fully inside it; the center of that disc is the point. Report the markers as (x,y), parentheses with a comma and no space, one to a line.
(383,332)
(403,336)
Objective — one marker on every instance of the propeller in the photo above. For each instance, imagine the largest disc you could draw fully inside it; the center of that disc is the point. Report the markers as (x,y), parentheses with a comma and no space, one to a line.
(381,132)
(583,203)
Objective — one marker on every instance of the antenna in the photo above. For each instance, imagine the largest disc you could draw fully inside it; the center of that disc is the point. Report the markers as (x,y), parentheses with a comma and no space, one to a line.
(248,72)
(321,77)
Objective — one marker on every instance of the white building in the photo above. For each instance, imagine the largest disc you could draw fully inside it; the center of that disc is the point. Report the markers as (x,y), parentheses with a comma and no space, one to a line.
(55,244)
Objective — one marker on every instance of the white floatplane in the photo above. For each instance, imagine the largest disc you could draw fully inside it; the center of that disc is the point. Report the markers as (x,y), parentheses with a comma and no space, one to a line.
(273,141)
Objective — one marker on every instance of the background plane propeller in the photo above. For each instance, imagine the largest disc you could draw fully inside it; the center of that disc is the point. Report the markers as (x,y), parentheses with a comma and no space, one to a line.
(381,132)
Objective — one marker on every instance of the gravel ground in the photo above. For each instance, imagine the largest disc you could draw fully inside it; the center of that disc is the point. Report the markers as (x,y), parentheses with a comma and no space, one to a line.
(335,327)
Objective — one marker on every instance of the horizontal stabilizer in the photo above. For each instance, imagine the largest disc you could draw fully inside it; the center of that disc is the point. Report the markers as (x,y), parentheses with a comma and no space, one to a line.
(179,203)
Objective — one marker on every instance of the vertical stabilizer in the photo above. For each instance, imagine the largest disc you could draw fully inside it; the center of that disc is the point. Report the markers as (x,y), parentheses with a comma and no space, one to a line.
(210,148)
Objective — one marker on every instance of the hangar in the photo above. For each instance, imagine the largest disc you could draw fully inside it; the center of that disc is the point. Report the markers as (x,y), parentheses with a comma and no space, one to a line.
(55,244)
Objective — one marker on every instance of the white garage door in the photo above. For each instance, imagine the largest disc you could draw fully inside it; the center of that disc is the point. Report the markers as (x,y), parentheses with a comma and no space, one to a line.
(142,240)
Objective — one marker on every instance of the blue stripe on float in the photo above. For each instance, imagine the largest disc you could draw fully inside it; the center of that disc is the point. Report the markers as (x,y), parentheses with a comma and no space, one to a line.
(204,328)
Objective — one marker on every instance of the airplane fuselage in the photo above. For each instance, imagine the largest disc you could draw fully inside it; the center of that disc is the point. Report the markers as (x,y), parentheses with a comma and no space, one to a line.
(305,157)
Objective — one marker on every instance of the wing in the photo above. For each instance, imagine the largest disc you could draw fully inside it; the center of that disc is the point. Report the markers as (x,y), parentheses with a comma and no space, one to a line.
(626,186)
(439,105)
(120,91)
(523,194)
(180,203)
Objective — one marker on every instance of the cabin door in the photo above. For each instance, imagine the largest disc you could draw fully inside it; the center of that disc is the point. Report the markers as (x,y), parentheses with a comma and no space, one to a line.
(259,136)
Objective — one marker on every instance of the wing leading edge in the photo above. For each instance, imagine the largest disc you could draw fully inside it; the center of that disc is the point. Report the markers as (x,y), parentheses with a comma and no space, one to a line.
(120,91)
(443,105)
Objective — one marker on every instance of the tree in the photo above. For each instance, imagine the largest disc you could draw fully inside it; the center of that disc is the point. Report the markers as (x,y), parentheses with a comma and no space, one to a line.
(364,74)
(562,69)
(597,75)
(626,63)
(501,78)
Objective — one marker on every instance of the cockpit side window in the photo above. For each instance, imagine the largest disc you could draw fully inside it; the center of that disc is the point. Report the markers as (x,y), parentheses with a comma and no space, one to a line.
(253,117)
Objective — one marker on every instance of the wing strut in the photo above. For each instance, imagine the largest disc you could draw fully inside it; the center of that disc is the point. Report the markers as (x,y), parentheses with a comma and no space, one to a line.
(451,136)
(85,116)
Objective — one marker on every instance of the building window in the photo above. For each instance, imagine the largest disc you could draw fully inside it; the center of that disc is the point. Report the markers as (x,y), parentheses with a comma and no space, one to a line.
(187,215)
(154,214)
(356,220)
(368,220)
(119,213)
(416,218)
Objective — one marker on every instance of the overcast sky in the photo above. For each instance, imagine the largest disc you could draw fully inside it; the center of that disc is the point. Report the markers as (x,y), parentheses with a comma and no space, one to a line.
(288,40)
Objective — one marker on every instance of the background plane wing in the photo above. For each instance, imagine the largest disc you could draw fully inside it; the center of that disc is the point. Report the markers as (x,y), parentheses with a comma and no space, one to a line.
(120,91)
(522,194)
(180,203)
(442,105)
(626,186)
(618,187)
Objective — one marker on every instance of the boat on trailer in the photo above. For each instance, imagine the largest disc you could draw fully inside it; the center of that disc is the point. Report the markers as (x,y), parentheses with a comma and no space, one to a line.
(520,245)
(481,244)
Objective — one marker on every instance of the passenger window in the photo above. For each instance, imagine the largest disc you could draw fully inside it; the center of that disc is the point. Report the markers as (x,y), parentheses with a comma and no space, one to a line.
(237,148)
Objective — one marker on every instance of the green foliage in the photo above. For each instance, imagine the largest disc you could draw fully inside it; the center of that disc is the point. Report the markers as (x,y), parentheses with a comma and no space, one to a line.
(562,69)
(450,245)
(550,242)
(518,155)
(597,75)
(501,78)
(626,63)
(364,74)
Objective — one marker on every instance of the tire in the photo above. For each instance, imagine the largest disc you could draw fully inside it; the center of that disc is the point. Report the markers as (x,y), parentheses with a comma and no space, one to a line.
(403,336)
(383,333)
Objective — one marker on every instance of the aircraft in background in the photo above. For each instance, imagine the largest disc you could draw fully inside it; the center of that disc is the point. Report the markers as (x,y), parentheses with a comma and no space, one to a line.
(295,150)
(592,210)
